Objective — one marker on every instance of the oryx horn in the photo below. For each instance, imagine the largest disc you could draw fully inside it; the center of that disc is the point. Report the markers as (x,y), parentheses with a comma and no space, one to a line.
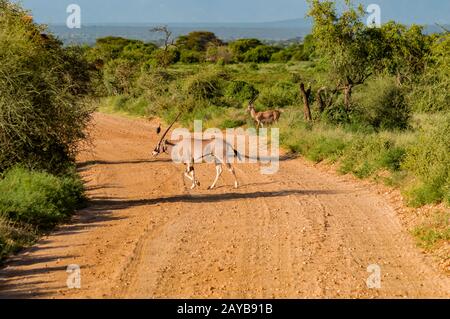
(168,129)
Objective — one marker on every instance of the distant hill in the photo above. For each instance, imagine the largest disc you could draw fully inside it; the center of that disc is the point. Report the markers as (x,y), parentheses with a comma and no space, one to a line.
(268,31)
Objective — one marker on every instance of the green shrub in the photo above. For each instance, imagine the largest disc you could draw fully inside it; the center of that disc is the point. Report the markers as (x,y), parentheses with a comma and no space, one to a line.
(433,231)
(165,58)
(241,90)
(242,46)
(198,41)
(138,52)
(152,84)
(43,115)
(432,92)
(382,105)
(110,48)
(429,160)
(260,54)
(119,76)
(282,56)
(190,57)
(231,123)
(326,148)
(281,95)
(367,154)
(38,198)
(336,114)
(205,85)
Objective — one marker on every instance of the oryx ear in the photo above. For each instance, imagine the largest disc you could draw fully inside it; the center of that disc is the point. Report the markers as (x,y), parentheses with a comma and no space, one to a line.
(158,130)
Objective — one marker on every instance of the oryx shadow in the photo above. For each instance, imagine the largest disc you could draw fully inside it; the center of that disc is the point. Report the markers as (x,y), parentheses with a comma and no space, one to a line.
(83,165)
(118,204)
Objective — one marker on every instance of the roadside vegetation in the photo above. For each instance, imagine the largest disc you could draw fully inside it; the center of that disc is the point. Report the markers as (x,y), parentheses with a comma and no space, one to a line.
(42,121)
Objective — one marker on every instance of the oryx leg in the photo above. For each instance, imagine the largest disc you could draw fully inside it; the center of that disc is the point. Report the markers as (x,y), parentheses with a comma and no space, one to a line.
(190,174)
(232,171)
(219,172)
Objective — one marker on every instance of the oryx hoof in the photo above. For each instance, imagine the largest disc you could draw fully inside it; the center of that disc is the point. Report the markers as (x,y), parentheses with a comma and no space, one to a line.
(193,186)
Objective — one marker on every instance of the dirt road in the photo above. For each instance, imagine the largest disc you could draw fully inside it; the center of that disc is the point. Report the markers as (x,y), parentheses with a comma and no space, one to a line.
(301,233)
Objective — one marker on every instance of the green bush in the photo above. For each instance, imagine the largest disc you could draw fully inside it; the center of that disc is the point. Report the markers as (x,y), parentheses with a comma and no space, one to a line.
(241,90)
(429,160)
(326,148)
(110,48)
(231,123)
(434,231)
(38,198)
(281,95)
(198,41)
(119,76)
(282,56)
(367,154)
(432,92)
(165,58)
(138,52)
(205,85)
(242,46)
(189,57)
(260,54)
(382,105)
(43,115)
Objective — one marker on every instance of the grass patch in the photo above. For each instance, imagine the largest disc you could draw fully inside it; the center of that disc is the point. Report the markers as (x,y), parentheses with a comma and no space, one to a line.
(433,232)
(32,202)
(38,198)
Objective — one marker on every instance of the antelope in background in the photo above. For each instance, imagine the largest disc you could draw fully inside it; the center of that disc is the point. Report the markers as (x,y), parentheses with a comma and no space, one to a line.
(261,118)
(213,149)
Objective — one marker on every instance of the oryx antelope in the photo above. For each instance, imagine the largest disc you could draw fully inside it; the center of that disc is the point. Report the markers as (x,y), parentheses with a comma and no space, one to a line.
(213,149)
(262,118)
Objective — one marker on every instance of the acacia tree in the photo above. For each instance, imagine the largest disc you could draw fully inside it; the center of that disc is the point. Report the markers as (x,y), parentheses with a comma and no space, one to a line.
(306,94)
(405,50)
(351,48)
(164,56)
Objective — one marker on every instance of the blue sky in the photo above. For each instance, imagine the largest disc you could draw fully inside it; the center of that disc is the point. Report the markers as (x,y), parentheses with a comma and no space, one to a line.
(159,11)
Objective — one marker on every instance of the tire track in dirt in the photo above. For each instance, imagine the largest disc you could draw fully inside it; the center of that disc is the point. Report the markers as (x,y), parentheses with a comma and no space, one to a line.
(300,233)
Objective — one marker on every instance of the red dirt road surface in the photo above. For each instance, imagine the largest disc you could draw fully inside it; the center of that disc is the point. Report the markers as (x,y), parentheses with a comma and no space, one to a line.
(301,233)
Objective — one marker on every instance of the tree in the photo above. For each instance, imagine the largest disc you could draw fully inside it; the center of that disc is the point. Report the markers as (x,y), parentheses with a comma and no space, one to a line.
(198,41)
(306,93)
(168,41)
(352,48)
(404,50)
(242,46)
(164,57)
(260,54)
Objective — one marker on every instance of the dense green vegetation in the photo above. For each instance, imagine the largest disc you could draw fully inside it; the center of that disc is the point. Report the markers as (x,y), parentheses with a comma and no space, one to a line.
(42,120)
